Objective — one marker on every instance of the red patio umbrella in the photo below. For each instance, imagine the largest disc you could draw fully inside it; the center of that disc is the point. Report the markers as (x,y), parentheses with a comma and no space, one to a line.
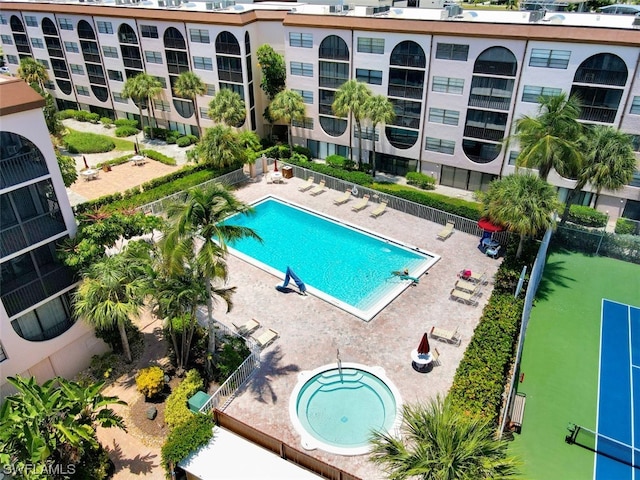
(275,164)
(424,348)
(486,225)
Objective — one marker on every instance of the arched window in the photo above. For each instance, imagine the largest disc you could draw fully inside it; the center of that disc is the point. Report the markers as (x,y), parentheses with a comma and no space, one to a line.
(17,151)
(101,93)
(333,126)
(334,48)
(16,24)
(48,27)
(85,30)
(64,86)
(174,39)
(183,107)
(247,43)
(126,34)
(227,44)
(496,61)
(602,69)
(401,138)
(408,54)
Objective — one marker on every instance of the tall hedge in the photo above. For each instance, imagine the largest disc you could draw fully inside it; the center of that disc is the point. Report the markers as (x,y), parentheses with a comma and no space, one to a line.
(185,439)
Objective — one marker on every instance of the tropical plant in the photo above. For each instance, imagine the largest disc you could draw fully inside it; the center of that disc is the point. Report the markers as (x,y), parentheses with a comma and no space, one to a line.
(196,226)
(185,439)
(288,106)
(220,147)
(378,110)
(189,85)
(549,140)
(274,70)
(351,99)
(227,107)
(142,89)
(440,442)
(53,422)
(150,381)
(67,167)
(32,71)
(523,203)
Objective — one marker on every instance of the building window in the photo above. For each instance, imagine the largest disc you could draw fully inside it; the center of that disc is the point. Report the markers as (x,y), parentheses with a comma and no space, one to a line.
(6,39)
(12,59)
(452,51)
(204,113)
(542,57)
(448,85)
(199,36)
(334,48)
(465,179)
(117,97)
(333,126)
(82,90)
(115,75)
(3,356)
(303,40)
(162,80)
(77,69)
(65,24)
(447,117)
(401,137)
(371,45)
(306,123)
(3,20)
(44,63)
(301,69)
(37,43)
(149,31)
(226,44)
(307,96)
(49,85)
(367,133)
(635,106)
(333,74)
(532,94)
(373,77)
(31,21)
(513,157)
(203,63)
(440,145)
(45,322)
(211,89)
(406,83)
(153,57)
(234,87)
(162,105)
(105,27)
(71,47)
(110,52)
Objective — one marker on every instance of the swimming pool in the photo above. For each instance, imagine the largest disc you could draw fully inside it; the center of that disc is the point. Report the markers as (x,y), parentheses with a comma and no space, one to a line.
(344,265)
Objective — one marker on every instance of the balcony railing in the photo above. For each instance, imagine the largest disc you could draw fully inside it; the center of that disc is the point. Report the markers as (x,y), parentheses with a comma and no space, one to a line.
(31,232)
(484,102)
(405,91)
(132,63)
(55,52)
(177,43)
(332,82)
(598,114)
(600,77)
(21,168)
(484,133)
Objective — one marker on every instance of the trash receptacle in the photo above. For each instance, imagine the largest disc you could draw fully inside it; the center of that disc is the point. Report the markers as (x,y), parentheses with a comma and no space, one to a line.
(287,172)
(197,401)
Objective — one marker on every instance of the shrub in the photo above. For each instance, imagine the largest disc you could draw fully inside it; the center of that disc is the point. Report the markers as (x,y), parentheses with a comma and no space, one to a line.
(193,138)
(336,161)
(126,131)
(420,180)
(81,142)
(159,157)
(624,226)
(95,464)
(64,114)
(185,439)
(106,121)
(304,151)
(158,132)
(150,381)
(116,161)
(183,141)
(234,351)
(587,216)
(177,411)
(126,122)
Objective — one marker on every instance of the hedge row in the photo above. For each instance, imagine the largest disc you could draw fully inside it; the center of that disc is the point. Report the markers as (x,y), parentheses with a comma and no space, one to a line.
(159,157)
(177,410)
(587,216)
(83,142)
(80,115)
(186,439)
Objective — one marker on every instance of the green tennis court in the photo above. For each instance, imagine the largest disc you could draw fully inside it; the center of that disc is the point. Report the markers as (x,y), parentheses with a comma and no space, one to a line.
(561,359)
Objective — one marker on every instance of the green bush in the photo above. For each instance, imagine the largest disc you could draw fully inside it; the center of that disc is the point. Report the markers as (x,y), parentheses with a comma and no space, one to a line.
(420,180)
(185,439)
(116,161)
(64,114)
(95,464)
(234,351)
(106,121)
(126,131)
(587,216)
(158,157)
(335,161)
(150,381)
(82,142)
(304,151)
(193,138)
(127,122)
(183,142)
(158,132)
(177,411)
(624,226)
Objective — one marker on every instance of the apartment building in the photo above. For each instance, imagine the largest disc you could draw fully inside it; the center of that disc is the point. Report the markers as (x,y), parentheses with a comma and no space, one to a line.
(457,79)
(38,336)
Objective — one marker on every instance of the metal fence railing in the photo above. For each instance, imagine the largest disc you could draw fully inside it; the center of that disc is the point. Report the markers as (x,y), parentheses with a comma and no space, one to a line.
(598,242)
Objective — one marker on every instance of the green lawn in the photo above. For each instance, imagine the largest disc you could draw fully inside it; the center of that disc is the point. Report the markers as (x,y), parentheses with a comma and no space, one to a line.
(561,358)
(84,140)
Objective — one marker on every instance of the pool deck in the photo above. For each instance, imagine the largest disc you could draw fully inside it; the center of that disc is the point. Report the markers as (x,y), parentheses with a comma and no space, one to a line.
(311,329)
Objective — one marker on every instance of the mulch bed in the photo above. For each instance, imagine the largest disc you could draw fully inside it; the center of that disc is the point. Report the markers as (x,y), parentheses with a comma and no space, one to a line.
(138,413)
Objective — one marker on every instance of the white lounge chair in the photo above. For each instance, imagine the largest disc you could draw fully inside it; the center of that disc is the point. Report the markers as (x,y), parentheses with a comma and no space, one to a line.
(266,337)
(464,296)
(343,199)
(448,336)
(379,209)
(248,327)
(361,205)
(319,189)
(306,186)
(446,231)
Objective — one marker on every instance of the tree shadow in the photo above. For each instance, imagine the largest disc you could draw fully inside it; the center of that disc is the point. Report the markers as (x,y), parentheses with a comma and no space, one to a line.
(140,464)
(553,278)
(270,367)
(153,354)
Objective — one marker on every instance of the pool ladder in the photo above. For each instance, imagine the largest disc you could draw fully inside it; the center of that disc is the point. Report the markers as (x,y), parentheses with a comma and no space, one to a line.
(339,363)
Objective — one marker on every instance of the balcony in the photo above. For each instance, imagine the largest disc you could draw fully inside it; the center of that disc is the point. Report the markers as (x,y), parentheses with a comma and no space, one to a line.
(405,91)
(55,52)
(132,63)
(598,114)
(30,232)
(97,80)
(488,102)
(600,77)
(331,82)
(178,44)
(484,133)
(21,168)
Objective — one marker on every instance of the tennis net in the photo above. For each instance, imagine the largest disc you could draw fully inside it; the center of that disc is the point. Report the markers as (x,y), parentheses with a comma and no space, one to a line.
(603,445)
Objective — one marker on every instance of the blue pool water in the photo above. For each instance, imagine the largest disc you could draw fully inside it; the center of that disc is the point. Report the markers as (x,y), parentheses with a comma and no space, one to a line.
(341,264)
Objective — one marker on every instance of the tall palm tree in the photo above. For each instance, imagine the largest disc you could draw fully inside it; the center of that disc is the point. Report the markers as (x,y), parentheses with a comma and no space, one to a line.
(441,443)
(142,89)
(221,147)
(111,294)
(288,106)
(32,71)
(608,162)
(378,109)
(548,140)
(189,85)
(351,99)
(523,203)
(195,226)
(227,107)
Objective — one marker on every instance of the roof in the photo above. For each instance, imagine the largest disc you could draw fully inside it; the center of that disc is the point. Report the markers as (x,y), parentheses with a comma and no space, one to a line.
(16,96)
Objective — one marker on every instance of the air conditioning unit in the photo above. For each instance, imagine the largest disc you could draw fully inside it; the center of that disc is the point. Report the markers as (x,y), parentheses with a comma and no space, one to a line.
(536,15)
(369,11)
(636,22)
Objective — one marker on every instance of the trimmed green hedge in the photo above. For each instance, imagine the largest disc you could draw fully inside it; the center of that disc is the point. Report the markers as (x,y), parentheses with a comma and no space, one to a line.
(186,439)
(177,411)
(420,180)
(159,157)
(80,115)
(587,216)
(126,131)
(127,122)
(83,142)
(624,226)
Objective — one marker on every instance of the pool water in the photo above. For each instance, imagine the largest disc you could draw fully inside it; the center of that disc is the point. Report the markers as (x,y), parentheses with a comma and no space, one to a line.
(344,265)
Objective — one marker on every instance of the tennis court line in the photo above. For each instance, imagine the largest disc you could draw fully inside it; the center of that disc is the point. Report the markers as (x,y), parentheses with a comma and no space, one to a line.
(595,455)
(633,410)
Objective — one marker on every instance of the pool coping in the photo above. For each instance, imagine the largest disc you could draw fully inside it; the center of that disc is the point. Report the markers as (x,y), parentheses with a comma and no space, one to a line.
(308,441)
(373,310)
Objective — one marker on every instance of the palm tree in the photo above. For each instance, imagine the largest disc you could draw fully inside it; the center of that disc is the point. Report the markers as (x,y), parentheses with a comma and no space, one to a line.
(441,443)
(196,227)
(378,110)
(142,89)
(523,203)
(189,85)
(221,147)
(548,140)
(227,107)
(288,106)
(608,162)
(32,71)
(351,99)
(111,294)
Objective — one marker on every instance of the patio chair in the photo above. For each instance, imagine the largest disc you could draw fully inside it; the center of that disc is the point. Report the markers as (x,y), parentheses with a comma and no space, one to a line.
(463,296)
(343,199)
(247,328)
(362,204)
(493,252)
(266,337)
(318,189)
(435,357)
(478,277)
(446,231)
(306,186)
(379,209)
(448,336)
(467,286)
(268,178)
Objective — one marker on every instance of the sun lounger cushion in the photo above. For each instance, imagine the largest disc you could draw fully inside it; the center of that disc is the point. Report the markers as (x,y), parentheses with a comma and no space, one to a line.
(266,337)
